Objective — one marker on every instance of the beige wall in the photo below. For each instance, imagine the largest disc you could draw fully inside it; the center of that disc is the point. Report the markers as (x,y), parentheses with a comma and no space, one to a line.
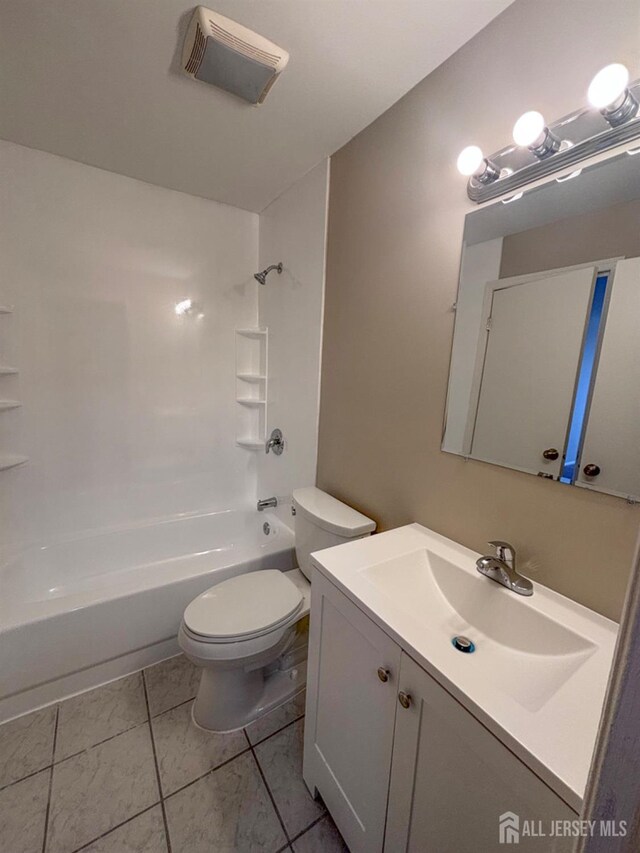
(397,208)
(597,236)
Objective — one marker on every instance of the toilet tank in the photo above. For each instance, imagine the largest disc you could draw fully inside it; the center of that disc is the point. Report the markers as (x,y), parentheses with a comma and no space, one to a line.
(322,521)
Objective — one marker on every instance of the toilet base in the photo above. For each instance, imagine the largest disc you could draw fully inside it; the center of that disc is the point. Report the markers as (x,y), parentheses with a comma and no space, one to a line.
(247,695)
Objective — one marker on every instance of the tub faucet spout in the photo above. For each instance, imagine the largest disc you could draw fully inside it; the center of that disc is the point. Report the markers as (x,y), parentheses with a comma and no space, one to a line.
(266,503)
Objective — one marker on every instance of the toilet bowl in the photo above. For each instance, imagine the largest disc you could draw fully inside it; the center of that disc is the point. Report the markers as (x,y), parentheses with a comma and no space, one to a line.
(249,636)
(249,633)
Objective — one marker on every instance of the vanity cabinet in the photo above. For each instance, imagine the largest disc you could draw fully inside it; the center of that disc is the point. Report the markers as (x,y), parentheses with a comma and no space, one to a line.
(401,764)
(451,779)
(351,702)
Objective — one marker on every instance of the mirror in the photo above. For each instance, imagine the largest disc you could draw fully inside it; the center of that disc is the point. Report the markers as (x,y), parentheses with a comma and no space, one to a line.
(545,365)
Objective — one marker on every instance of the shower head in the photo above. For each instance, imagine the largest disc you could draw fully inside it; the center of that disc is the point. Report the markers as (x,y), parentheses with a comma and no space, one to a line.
(262,276)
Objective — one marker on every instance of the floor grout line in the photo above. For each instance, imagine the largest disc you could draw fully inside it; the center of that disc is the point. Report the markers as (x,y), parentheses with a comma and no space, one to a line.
(53,752)
(276,732)
(172,708)
(117,826)
(206,773)
(155,761)
(271,797)
(99,743)
(54,762)
(73,755)
(311,825)
(295,837)
(249,748)
(24,778)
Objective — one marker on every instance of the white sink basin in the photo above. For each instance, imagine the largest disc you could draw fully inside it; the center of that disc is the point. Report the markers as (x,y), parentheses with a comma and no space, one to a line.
(518,648)
(538,674)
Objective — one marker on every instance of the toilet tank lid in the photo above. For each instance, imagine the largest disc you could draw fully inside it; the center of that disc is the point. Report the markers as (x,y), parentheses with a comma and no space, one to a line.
(331,514)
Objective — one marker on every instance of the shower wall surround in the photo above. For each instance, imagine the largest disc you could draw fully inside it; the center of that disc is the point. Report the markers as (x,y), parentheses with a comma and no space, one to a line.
(293,230)
(128,408)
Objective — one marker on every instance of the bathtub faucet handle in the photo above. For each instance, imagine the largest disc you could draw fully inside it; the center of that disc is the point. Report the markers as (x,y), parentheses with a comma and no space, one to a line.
(275,442)
(266,503)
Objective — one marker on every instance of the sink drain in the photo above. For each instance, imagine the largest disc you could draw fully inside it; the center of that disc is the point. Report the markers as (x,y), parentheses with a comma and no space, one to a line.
(463,644)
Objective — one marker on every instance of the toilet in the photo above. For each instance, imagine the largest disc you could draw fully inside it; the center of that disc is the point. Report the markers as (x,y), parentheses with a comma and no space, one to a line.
(249,633)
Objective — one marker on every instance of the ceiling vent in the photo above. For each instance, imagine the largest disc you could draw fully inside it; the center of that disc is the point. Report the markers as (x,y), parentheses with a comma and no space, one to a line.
(228,55)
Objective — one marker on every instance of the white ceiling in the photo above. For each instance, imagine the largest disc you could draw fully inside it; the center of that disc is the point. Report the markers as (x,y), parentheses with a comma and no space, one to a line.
(98,81)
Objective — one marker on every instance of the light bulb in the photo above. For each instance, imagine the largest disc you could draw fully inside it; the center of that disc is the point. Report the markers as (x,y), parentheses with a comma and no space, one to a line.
(470,160)
(183,307)
(528,129)
(608,85)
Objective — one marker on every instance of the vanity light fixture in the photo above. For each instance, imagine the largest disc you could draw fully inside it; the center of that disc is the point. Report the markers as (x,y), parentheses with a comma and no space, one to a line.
(473,164)
(609,93)
(542,148)
(531,131)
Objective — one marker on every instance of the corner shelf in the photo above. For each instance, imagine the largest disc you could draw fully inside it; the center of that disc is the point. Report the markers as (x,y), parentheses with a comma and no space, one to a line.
(252,333)
(250,443)
(11,460)
(249,401)
(251,387)
(251,377)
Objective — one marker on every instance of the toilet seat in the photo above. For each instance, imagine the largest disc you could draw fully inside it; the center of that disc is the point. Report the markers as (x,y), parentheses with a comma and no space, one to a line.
(244,607)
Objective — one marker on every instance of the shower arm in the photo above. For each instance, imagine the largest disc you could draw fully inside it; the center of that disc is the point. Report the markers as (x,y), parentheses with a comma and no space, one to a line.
(262,276)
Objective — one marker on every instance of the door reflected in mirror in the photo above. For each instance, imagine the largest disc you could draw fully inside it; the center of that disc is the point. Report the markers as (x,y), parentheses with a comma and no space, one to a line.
(545,366)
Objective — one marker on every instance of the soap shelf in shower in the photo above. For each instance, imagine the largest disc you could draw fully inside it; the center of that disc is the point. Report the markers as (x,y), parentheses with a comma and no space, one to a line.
(251,387)
(251,377)
(250,401)
(11,460)
(252,333)
(250,443)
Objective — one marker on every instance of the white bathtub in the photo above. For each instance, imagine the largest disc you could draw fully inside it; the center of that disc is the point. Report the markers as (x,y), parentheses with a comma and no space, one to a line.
(83,611)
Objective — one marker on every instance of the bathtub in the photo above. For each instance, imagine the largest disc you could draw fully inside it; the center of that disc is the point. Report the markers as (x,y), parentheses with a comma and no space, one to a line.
(80,612)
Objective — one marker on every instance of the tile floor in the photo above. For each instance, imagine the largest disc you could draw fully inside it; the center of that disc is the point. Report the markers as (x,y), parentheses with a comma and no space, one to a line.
(122,769)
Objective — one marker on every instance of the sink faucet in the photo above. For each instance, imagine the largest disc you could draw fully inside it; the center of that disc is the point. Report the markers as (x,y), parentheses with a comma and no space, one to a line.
(502,569)
(267,502)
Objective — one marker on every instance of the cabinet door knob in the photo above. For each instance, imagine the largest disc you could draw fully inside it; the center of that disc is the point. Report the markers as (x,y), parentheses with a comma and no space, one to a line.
(591,470)
(404,699)
(383,674)
(551,453)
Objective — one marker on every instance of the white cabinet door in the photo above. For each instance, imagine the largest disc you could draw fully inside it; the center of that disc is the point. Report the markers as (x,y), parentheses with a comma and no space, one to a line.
(530,369)
(350,715)
(452,780)
(612,439)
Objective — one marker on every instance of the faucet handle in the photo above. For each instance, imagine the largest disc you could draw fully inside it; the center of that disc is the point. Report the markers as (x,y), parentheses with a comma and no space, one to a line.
(504,550)
(275,442)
